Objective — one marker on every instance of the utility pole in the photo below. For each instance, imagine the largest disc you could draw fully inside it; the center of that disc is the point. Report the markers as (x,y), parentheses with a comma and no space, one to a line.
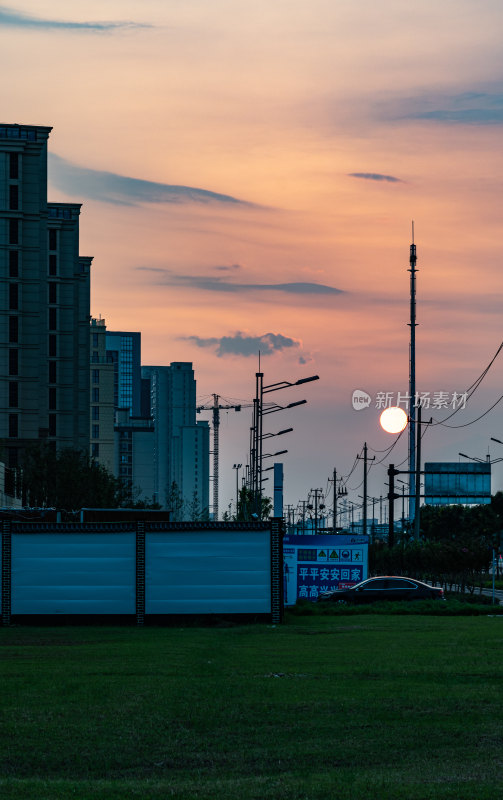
(412,378)
(303,517)
(417,506)
(365,460)
(237,467)
(289,516)
(391,497)
(215,408)
(317,493)
(334,481)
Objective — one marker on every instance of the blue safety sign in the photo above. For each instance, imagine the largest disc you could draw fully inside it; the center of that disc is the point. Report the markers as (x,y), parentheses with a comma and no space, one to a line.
(315,564)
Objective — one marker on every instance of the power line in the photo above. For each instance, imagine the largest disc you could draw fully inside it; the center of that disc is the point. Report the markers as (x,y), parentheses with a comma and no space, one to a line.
(469,393)
(466,424)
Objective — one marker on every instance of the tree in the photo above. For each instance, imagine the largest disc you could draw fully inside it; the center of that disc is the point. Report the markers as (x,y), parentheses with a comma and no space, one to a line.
(174,503)
(247,506)
(194,512)
(68,479)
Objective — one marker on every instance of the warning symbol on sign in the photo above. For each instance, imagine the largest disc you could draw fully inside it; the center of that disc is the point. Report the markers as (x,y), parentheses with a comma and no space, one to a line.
(334,556)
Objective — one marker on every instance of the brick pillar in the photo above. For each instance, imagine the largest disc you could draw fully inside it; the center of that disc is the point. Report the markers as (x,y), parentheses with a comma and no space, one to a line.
(276,570)
(6,572)
(140,573)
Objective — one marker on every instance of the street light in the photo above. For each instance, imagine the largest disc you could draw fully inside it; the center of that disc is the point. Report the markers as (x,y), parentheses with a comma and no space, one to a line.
(274,407)
(257,436)
(486,460)
(279,433)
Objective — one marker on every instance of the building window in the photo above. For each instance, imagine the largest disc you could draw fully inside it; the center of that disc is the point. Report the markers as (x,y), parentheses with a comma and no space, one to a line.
(13,426)
(52,399)
(52,424)
(13,296)
(14,197)
(13,231)
(53,264)
(52,372)
(96,395)
(13,329)
(95,450)
(13,263)
(53,239)
(13,362)
(95,339)
(96,412)
(53,292)
(96,376)
(95,358)
(14,166)
(53,319)
(13,394)
(53,346)
(96,432)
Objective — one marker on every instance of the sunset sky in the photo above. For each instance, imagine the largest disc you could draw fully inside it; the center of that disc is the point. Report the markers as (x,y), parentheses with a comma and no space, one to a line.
(249,174)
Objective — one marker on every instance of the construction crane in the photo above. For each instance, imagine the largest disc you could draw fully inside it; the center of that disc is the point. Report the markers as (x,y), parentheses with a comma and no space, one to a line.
(215,408)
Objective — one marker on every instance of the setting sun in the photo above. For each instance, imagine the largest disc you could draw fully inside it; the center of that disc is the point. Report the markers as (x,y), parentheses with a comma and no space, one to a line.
(393,420)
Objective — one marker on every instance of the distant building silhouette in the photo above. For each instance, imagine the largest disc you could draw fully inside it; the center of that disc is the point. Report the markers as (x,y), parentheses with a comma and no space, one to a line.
(181,445)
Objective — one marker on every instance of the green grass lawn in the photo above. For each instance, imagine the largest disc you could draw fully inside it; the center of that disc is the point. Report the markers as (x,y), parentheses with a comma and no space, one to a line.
(360,706)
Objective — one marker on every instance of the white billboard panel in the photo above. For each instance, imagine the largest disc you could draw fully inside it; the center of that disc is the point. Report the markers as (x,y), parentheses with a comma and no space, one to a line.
(208,572)
(73,573)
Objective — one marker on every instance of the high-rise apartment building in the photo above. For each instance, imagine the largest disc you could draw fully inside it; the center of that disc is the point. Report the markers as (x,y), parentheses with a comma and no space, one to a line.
(181,445)
(44,304)
(102,422)
(124,351)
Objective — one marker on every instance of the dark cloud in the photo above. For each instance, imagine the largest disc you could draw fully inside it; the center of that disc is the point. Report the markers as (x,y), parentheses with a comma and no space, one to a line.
(375,176)
(108,187)
(466,108)
(241,344)
(15,19)
(230,268)
(224,285)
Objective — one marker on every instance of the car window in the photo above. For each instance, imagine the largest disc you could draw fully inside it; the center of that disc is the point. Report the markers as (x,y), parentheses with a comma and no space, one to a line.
(397,583)
(379,583)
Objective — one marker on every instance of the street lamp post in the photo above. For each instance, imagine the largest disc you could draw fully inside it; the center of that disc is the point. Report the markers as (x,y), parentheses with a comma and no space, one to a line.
(257,436)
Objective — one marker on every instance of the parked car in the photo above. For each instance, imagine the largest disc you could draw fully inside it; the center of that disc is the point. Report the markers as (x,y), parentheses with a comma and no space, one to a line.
(386,587)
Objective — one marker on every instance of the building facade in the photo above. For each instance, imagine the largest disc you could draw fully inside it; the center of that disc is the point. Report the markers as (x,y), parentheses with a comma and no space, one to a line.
(124,352)
(101,431)
(44,304)
(181,445)
(134,447)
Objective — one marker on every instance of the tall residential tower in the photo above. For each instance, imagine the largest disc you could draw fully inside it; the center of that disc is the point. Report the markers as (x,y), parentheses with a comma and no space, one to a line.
(44,304)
